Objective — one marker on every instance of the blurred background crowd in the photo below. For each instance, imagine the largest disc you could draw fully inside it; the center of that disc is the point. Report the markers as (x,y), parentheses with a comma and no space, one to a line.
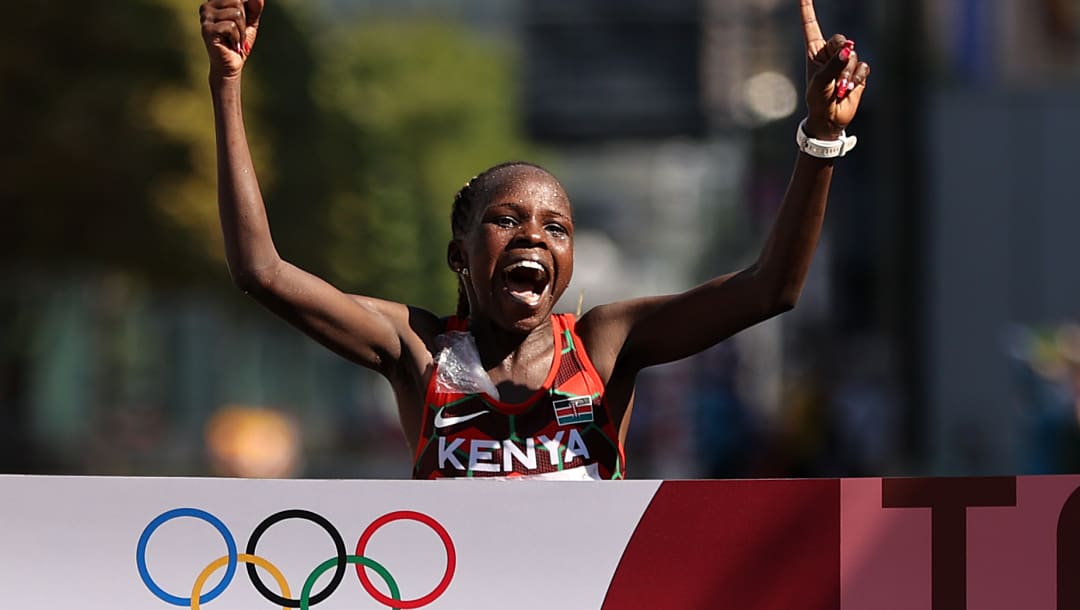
(936,335)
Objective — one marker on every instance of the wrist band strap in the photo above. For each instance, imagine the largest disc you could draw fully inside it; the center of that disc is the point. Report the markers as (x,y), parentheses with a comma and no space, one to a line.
(824,149)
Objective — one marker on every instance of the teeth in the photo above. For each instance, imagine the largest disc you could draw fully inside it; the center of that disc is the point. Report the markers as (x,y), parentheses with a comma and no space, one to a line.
(527,265)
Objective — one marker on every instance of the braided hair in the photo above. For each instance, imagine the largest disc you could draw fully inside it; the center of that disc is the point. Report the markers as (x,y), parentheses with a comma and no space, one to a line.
(474,192)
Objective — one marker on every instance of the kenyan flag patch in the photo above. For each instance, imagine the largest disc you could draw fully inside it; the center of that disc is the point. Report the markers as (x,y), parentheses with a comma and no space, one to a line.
(574,410)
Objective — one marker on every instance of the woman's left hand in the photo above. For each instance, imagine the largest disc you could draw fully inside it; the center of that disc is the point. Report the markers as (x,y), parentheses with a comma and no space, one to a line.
(835,79)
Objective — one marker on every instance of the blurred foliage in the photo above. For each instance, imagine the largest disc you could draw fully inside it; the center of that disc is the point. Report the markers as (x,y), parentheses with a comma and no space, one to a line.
(82,155)
(361,135)
(426,108)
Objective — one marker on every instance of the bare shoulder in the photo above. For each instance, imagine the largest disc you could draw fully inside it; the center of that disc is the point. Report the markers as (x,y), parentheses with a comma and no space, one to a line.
(415,327)
(604,330)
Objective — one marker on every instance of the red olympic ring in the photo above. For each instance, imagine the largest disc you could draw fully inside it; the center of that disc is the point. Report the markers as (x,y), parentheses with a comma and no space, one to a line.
(448,544)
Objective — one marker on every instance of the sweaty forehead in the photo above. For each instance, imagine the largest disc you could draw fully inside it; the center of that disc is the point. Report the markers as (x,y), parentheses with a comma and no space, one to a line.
(525,184)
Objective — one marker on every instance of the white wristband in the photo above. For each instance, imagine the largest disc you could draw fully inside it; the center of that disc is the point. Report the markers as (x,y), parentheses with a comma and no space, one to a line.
(824,149)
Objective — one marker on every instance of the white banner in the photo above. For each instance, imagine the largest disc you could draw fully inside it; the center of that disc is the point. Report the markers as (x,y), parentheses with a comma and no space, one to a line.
(108,543)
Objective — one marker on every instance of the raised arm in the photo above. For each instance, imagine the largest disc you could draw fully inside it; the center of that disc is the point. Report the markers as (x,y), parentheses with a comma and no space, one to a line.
(377,334)
(631,335)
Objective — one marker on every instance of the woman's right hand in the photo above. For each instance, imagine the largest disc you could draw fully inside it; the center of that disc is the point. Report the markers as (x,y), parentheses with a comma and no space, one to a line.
(229,28)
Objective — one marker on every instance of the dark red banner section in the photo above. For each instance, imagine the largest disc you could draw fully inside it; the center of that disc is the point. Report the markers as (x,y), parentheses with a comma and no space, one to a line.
(745,545)
(948,500)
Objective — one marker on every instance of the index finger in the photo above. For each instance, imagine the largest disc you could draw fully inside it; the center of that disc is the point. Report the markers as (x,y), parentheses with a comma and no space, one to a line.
(811,29)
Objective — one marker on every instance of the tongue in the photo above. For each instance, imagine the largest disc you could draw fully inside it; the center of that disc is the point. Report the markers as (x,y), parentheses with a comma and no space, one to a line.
(523,291)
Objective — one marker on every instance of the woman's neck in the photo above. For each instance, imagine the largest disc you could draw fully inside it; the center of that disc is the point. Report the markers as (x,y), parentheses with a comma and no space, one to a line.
(517,363)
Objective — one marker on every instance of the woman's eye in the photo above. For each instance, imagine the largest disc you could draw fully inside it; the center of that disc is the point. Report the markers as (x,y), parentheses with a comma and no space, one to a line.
(505,221)
(557,229)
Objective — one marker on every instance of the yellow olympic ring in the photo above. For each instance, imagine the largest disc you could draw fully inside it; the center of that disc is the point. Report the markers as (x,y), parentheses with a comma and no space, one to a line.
(196,589)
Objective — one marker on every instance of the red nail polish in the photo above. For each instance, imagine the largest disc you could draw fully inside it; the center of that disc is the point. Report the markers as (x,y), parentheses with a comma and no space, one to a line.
(845,53)
(842,89)
(247,48)
(849,44)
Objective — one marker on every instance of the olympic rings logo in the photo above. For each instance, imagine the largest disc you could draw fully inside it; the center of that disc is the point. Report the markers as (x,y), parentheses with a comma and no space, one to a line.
(307,598)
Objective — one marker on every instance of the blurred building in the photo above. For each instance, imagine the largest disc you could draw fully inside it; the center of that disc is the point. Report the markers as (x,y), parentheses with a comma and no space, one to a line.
(1000,218)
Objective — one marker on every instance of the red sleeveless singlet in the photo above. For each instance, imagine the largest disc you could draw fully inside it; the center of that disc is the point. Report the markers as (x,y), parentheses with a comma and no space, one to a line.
(563,431)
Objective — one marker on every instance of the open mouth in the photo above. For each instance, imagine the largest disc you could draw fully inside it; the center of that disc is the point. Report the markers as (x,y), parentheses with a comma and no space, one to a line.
(526,282)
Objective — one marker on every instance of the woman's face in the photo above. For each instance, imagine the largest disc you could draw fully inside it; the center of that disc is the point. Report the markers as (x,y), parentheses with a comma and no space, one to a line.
(518,249)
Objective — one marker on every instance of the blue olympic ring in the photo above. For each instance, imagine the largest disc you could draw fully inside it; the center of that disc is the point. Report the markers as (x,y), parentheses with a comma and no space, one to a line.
(140,555)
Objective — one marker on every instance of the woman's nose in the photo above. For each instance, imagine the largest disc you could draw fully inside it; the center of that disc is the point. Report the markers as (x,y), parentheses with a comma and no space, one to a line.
(531,231)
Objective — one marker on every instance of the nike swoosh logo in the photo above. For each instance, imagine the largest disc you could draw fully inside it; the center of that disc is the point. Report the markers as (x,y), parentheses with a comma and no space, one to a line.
(444,422)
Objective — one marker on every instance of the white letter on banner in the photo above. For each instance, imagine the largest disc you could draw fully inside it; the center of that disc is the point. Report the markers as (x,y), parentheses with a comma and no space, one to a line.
(527,459)
(447,453)
(480,449)
(575,447)
(552,446)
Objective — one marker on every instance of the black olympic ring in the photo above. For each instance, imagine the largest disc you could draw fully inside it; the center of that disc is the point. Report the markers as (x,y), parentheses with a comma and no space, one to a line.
(339,544)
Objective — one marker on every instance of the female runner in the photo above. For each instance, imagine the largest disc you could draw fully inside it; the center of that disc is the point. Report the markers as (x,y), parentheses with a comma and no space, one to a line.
(506,387)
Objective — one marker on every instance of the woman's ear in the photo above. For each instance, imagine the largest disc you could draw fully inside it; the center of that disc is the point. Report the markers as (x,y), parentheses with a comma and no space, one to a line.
(455,257)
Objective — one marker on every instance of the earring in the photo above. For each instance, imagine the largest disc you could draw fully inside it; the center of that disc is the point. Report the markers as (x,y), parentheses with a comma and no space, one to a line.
(465,272)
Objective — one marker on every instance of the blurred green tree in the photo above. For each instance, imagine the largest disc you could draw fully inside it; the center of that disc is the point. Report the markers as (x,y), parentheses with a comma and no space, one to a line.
(417,109)
(83,157)
(361,134)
